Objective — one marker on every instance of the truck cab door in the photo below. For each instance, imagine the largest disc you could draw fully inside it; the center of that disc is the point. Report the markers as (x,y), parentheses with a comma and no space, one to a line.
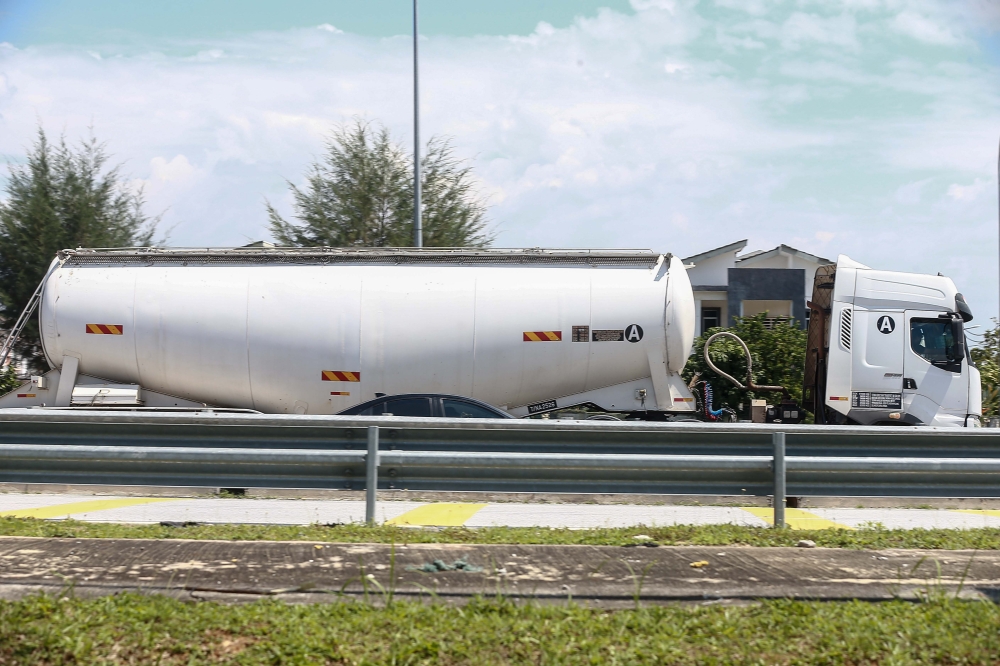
(935,371)
(876,365)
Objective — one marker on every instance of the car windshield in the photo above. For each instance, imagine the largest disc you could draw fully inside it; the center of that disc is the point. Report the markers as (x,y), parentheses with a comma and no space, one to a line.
(460,409)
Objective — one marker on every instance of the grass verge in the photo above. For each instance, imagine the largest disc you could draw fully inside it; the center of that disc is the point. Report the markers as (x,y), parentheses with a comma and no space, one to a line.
(136,629)
(871,537)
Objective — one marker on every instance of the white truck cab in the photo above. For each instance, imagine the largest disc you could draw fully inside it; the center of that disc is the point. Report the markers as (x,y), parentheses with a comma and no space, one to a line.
(893,349)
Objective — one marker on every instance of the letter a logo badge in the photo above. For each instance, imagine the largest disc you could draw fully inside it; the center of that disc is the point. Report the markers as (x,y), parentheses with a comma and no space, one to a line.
(633,332)
(885,324)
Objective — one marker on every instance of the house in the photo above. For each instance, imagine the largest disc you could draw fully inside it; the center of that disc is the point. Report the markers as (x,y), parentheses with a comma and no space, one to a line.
(728,285)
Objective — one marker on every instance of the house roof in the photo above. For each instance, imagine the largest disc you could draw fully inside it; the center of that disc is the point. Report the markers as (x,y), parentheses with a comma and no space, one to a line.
(782,249)
(732,247)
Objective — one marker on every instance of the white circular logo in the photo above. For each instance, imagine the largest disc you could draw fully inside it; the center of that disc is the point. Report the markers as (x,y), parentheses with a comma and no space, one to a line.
(885,324)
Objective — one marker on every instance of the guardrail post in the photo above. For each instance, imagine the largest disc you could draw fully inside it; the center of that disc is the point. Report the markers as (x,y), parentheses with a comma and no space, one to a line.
(371,474)
(778,439)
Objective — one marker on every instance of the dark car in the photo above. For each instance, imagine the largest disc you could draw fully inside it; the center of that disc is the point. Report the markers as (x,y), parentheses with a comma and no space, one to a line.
(426,404)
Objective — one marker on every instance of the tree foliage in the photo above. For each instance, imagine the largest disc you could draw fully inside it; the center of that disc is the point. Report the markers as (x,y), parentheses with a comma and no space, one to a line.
(986,356)
(778,360)
(8,380)
(360,194)
(61,197)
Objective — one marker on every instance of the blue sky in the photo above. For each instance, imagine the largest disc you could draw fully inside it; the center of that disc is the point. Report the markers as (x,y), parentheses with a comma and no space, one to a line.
(24,22)
(864,127)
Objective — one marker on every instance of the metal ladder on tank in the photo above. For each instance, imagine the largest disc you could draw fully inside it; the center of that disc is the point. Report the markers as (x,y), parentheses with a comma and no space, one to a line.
(29,309)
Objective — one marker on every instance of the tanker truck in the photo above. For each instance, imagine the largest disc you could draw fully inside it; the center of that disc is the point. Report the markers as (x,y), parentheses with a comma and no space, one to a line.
(318,330)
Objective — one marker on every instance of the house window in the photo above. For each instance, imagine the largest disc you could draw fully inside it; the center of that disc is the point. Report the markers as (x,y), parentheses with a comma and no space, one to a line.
(710,318)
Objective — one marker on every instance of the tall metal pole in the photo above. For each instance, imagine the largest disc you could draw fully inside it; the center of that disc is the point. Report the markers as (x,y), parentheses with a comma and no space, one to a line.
(418,225)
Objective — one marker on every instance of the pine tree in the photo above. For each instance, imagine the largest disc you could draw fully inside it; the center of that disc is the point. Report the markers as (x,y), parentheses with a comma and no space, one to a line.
(360,194)
(60,197)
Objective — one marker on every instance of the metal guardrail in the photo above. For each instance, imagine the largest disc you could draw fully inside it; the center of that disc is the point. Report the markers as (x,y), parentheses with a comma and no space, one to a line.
(265,431)
(83,447)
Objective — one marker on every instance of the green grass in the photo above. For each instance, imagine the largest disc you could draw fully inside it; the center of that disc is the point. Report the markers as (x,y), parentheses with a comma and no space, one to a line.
(136,629)
(873,536)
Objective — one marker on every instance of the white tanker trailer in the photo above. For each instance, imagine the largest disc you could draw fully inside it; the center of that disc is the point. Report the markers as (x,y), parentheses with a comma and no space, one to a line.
(318,330)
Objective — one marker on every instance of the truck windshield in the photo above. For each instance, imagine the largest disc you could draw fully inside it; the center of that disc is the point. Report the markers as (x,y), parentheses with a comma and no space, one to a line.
(938,341)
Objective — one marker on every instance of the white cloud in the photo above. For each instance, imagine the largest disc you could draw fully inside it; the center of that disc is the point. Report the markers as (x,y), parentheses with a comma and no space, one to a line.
(752,7)
(803,29)
(923,29)
(972,192)
(176,170)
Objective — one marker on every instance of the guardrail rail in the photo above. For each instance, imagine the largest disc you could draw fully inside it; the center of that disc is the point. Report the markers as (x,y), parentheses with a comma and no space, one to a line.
(225,450)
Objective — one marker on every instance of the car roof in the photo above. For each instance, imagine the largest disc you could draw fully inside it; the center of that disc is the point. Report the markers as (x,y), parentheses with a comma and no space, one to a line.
(397,396)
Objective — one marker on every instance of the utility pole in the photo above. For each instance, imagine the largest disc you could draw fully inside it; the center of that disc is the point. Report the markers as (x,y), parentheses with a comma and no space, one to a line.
(418,225)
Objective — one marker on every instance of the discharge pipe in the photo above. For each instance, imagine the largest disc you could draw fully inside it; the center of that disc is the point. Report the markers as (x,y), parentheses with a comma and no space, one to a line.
(750,386)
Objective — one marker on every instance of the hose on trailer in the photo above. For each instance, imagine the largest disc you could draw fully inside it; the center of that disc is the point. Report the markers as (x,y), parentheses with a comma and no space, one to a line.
(750,386)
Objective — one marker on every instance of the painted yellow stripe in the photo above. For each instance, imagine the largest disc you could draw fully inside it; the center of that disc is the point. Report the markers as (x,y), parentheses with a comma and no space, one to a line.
(438,515)
(60,510)
(982,512)
(797,519)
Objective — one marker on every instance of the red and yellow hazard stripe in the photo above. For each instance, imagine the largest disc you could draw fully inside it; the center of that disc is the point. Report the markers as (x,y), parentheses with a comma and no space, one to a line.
(105,329)
(542,336)
(341,376)
(340,393)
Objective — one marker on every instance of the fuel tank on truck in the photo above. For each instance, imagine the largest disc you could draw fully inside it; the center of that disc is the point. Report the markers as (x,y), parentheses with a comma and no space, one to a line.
(313,330)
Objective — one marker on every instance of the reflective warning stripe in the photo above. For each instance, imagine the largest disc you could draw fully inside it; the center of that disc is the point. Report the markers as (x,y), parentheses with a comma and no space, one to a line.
(340,393)
(105,329)
(542,336)
(341,376)
(25,395)
(59,510)
(444,514)
(797,519)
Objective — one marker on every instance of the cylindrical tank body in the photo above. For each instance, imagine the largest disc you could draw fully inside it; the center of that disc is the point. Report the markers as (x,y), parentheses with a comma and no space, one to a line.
(318,331)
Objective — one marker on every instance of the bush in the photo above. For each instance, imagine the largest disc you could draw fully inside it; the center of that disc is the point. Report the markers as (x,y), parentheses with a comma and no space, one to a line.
(778,360)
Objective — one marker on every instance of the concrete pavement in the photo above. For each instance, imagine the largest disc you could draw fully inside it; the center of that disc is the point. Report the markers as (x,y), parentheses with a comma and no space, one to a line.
(612,576)
(132,509)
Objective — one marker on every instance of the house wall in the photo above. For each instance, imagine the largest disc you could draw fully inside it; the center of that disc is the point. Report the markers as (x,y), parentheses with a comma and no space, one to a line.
(786,261)
(766,284)
(712,271)
(710,299)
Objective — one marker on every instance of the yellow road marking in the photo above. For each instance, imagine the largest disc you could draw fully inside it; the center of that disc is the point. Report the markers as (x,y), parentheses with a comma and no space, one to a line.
(438,515)
(982,512)
(797,519)
(59,510)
